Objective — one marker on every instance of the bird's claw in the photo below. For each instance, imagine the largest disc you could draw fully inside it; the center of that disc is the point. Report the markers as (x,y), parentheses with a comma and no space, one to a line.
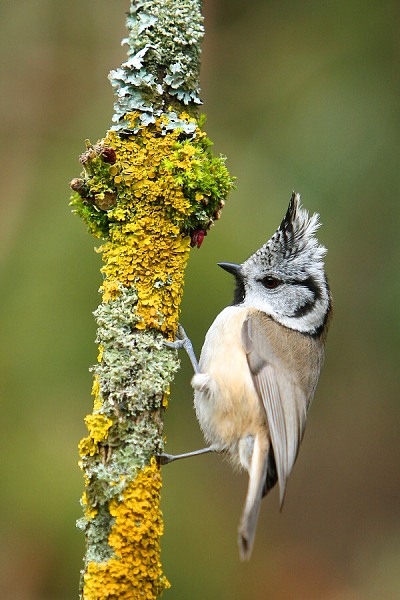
(181,340)
(164,459)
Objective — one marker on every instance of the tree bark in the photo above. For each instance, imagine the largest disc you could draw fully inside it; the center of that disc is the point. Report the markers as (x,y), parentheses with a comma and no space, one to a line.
(150,190)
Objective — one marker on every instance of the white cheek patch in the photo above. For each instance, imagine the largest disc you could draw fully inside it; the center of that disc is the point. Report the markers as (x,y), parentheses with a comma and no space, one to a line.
(295,307)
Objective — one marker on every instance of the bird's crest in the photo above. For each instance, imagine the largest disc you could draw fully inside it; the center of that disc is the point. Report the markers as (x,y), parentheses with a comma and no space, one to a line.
(293,246)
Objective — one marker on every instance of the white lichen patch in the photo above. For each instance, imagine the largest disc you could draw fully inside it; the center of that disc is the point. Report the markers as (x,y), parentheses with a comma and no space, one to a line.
(163,61)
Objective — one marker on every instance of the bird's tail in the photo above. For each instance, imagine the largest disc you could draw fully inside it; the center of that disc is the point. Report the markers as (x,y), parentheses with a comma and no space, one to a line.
(257,477)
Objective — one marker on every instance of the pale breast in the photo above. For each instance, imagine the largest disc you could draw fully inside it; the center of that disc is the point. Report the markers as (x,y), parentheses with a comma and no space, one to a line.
(226,401)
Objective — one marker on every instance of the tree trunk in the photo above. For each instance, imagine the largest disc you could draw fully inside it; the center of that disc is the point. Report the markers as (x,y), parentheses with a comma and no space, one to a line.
(150,189)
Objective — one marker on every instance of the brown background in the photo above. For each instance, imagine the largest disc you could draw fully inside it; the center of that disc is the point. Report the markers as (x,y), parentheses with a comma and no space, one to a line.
(299,95)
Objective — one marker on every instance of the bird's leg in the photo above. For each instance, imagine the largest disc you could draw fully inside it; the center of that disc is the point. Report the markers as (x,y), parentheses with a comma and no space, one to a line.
(165,459)
(182,341)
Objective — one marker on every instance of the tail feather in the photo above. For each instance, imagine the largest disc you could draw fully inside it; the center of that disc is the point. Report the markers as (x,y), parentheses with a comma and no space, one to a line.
(257,478)
(272,473)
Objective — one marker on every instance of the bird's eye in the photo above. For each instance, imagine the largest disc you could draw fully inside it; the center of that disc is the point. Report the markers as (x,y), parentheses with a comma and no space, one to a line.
(270,282)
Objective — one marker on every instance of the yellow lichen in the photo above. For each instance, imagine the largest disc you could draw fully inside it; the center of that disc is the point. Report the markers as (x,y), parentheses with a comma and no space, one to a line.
(97,402)
(152,191)
(153,255)
(100,354)
(135,571)
(148,250)
(90,511)
(98,426)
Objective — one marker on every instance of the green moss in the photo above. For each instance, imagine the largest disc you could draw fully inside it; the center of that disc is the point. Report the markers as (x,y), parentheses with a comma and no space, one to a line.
(96,181)
(171,169)
(205,183)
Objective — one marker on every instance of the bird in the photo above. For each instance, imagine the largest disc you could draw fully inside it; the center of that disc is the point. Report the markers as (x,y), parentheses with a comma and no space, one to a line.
(261,359)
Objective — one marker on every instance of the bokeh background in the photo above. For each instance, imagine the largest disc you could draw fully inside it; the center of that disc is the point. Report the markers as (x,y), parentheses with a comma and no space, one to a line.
(299,95)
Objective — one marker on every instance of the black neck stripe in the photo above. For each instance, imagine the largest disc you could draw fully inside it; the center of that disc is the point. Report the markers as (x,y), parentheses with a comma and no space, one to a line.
(308,306)
(239,293)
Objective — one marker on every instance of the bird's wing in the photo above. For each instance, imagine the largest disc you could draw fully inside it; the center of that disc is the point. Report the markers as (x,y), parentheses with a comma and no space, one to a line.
(284,401)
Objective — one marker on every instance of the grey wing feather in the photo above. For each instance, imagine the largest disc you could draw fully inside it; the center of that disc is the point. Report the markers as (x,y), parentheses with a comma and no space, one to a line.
(285,403)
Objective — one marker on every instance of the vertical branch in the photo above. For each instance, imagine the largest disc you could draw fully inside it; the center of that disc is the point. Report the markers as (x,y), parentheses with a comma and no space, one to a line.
(150,189)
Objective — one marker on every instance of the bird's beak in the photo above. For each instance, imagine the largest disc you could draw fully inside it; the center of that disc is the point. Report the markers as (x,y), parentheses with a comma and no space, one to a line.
(232,268)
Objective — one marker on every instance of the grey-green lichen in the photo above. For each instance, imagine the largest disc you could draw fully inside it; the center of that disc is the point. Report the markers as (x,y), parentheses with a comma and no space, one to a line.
(131,382)
(150,189)
(96,531)
(136,367)
(162,70)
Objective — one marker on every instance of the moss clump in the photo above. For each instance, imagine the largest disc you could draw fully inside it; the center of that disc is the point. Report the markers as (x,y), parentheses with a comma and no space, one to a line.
(125,176)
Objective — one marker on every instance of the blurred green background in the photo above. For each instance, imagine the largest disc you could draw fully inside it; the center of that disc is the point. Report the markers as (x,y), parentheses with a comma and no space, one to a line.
(299,95)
